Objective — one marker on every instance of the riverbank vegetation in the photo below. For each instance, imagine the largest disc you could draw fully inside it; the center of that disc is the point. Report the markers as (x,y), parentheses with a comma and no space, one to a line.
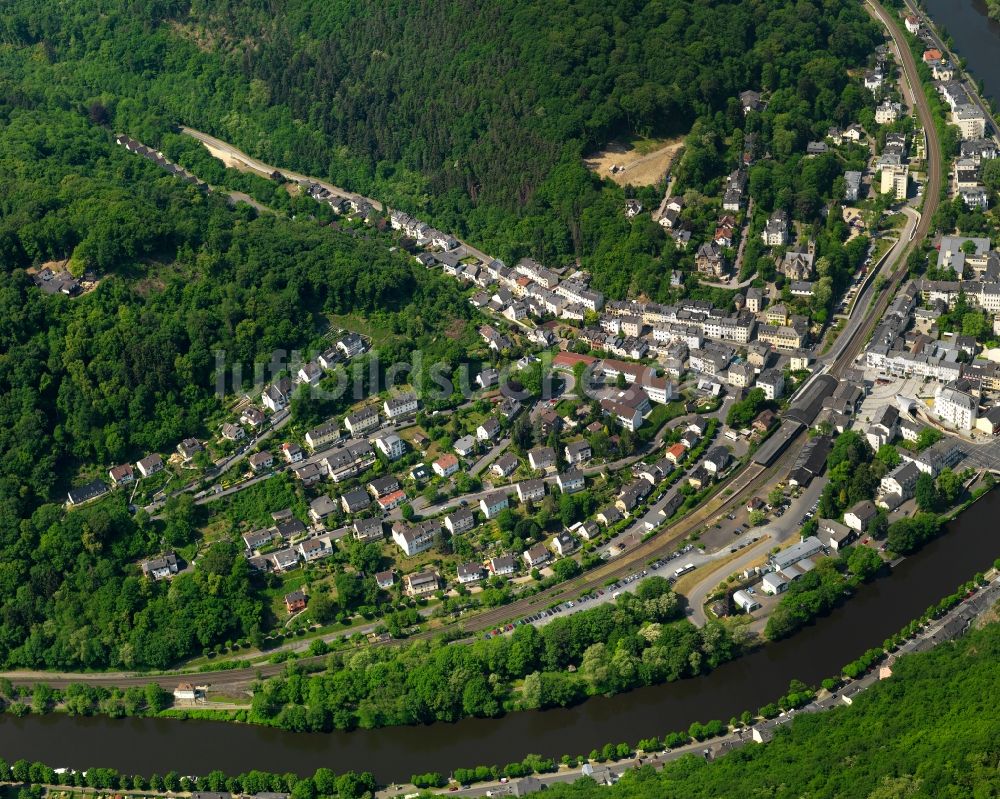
(639,639)
(954,747)
(951,751)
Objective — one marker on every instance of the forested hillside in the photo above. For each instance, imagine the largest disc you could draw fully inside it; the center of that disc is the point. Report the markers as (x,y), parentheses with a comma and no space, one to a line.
(931,731)
(130,369)
(473,114)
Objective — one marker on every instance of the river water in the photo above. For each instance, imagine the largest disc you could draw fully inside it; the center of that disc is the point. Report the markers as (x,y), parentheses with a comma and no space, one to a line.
(145,746)
(976,38)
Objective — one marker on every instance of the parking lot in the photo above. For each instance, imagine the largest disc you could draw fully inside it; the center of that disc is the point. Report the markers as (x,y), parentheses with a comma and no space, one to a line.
(663,568)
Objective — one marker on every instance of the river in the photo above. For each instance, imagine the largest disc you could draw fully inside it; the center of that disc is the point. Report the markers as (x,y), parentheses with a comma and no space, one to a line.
(976,38)
(145,746)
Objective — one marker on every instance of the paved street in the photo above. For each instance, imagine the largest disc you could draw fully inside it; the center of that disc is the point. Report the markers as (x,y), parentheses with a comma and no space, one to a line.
(775,533)
(952,625)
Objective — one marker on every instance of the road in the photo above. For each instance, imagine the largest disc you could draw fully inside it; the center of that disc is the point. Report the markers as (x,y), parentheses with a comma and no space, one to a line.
(859,314)
(227,152)
(952,625)
(731,493)
(970,85)
(852,340)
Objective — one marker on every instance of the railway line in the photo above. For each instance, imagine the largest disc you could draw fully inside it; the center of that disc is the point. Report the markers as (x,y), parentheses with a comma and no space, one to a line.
(731,494)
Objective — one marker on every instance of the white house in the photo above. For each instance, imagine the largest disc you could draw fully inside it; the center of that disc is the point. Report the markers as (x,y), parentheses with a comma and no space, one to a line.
(956,407)
(530,490)
(492,504)
(860,516)
(398,407)
(571,481)
(391,445)
(446,465)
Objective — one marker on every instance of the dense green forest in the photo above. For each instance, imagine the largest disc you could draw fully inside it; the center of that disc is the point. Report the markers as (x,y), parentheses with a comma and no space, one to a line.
(484,133)
(129,369)
(930,731)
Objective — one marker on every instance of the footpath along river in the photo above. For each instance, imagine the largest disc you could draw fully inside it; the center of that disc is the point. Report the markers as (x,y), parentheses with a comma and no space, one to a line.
(146,746)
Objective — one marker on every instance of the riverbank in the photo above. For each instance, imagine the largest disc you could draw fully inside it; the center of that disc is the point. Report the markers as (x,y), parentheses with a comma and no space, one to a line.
(974,36)
(877,612)
(945,621)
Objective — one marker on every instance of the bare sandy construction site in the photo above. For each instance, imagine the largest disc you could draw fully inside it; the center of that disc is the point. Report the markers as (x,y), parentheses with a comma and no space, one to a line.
(641,162)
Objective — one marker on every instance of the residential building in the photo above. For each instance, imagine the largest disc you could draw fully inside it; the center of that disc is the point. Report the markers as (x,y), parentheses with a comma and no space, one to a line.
(150,465)
(392,500)
(775,232)
(401,406)
(772,381)
(446,465)
(461,521)
(361,421)
(492,504)
(295,601)
(368,530)
(355,500)
(421,583)
(277,395)
(350,345)
(717,460)
(542,457)
(465,446)
(530,490)
(852,185)
(122,475)
(190,447)
(895,180)
(390,445)
(321,508)
(416,538)
(292,452)
(252,417)
(834,535)
(563,544)
(860,515)
(489,430)
(901,481)
(578,452)
(537,556)
(382,486)
(313,549)
(261,461)
(309,373)
(505,465)
(956,407)
(470,573)
(887,112)
(321,436)
(232,432)
(161,567)
(309,473)
(571,481)
(502,565)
